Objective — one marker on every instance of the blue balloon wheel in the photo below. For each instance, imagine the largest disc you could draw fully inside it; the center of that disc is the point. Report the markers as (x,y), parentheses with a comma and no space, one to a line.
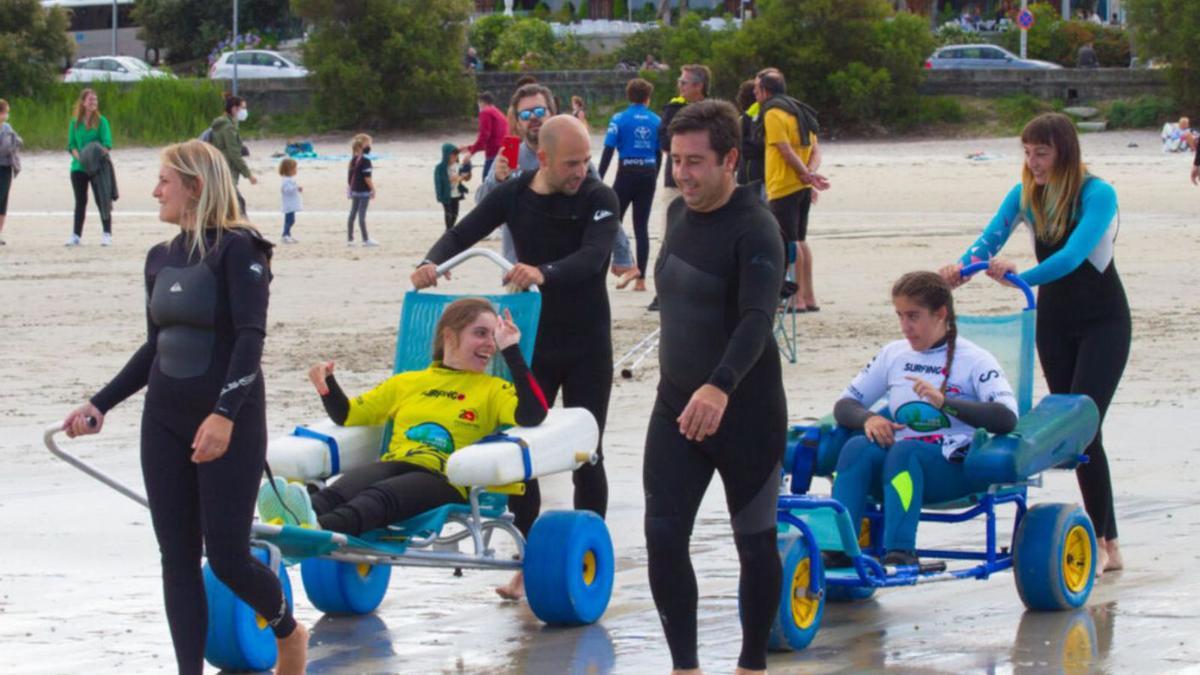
(799,615)
(336,587)
(569,567)
(238,638)
(1054,557)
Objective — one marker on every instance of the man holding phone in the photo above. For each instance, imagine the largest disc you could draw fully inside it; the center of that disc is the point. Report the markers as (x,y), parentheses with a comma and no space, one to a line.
(533,104)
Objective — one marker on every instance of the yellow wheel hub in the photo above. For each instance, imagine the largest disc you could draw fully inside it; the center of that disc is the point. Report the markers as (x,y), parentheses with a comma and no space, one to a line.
(363,570)
(1077,650)
(589,568)
(259,621)
(804,608)
(1077,559)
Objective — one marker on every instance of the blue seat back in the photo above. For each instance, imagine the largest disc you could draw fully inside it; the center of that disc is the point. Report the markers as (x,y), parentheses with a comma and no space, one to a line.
(1010,338)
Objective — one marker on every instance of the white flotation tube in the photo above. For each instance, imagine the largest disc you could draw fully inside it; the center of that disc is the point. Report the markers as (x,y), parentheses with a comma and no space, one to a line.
(323,449)
(565,441)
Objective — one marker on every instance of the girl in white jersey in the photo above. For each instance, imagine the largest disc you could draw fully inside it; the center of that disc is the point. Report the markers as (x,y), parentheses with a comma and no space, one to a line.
(939,388)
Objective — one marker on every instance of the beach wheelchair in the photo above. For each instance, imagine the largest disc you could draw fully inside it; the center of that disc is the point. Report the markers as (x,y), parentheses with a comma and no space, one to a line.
(1052,551)
(568,559)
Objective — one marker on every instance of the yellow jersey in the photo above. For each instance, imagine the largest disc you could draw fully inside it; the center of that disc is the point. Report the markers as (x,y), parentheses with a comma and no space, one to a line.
(781,179)
(435,411)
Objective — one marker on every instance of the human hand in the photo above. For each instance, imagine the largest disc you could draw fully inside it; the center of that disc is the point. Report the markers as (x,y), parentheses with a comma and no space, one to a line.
(998,267)
(702,416)
(426,275)
(299,189)
(816,180)
(501,169)
(212,438)
(84,420)
(317,374)
(952,274)
(927,391)
(253,179)
(523,276)
(507,333)
(881,431)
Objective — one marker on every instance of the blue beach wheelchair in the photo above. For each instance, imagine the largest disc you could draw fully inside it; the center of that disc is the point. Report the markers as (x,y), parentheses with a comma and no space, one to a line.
(568,559)
(1052,551)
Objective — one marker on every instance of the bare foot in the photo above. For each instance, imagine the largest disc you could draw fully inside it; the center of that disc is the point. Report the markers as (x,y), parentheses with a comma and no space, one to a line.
(628,276)
(747,671)
(1101,558)
(1114,555)
(293,652)
(689,671)
(620,270)
(640,285)
(514,589)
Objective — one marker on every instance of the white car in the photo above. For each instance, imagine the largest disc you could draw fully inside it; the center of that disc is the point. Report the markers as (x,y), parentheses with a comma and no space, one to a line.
(255,64)
(112,68)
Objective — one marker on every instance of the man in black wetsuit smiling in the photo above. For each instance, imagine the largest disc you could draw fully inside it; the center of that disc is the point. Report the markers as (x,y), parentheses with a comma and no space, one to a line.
(563,222)
(720,403)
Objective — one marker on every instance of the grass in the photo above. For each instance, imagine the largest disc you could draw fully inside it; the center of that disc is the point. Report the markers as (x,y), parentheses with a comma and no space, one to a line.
(150,112)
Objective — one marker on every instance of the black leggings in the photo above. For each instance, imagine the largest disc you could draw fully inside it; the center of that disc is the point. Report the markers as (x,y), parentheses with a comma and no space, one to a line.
(208,504)
(358,205)
(586,381)
(1088,358)
(79,183)
(369,497)
(6,174)
(450,211)
(675,476)
(636,185)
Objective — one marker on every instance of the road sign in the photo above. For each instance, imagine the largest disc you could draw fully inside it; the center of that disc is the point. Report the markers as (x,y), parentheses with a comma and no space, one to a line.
(1025,19)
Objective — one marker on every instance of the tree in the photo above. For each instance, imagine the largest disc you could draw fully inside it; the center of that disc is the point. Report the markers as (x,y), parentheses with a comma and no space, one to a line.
(387,62)
(188,30)
(1170,30)
(33,46)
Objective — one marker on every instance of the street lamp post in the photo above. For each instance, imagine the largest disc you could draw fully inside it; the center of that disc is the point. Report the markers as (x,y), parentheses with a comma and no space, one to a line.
(114,29)
(235,47)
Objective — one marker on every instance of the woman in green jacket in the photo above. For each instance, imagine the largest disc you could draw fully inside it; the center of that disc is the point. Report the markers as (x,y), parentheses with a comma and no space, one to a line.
(87,126)
(226,138)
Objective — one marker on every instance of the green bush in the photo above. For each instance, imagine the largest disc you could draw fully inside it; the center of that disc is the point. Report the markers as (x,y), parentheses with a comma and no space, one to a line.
(1016,111)
(190,30)
(639,44)
(530,44)
(33,47)
(485,35)
(1141,112)
(387,62)
(155,111)
(1170,30)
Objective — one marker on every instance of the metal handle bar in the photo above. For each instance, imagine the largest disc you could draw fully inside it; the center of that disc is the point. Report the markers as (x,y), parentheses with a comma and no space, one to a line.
(1030,303)
(48,438)
(491,255)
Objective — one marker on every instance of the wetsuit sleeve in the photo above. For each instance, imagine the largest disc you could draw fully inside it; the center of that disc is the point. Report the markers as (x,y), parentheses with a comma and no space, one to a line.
(760,278)
(596,247)
(247,278)
(1098,208)
(136,372)
(605,158)
(997,232)
(851,414)
(337,406)
(995,417)
(528,406)
(479,223)
(375,406)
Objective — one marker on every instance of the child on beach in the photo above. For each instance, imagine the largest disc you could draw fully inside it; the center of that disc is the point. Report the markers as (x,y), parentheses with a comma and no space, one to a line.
(360,189)
(10,162)
(447,183)
(290,195)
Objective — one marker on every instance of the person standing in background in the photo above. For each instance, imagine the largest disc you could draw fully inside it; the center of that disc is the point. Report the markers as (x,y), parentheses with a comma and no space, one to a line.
(10,162)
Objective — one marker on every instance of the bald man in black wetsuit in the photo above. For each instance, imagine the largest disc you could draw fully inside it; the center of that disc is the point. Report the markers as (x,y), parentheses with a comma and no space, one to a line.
(563,222)
(720,402)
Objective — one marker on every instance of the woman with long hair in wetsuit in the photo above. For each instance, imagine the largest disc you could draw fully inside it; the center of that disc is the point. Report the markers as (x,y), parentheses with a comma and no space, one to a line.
(204,426)
(940,387)
(1084,329)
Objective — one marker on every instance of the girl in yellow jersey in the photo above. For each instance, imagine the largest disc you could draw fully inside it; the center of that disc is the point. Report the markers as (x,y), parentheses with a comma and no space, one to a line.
(451,404)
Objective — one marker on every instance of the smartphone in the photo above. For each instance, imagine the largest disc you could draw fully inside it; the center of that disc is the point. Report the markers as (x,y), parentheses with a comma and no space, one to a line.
(510,147)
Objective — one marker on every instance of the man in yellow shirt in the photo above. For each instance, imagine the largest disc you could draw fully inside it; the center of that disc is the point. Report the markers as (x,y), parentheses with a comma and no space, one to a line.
(792,158)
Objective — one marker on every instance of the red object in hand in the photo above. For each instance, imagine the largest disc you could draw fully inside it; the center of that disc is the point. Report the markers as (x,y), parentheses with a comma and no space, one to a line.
(510,147)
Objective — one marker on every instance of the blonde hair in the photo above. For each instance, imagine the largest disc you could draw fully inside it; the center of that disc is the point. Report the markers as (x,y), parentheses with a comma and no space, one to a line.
(200,165)
(3,106)
(92,119)
(457,316)
(1053,205)
(287,167)
(359,142)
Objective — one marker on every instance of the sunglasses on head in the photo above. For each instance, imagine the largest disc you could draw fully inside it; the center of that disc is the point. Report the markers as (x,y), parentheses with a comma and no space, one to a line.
(538,112)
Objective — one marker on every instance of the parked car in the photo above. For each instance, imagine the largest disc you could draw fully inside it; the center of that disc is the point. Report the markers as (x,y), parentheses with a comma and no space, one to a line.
(255,64)
(981,56)
(112,68)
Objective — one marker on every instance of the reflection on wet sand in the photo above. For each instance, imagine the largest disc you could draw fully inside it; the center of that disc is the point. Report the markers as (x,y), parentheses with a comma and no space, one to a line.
(1064,642)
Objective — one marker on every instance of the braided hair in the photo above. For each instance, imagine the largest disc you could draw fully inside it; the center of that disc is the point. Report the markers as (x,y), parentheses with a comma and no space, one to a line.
(930,290)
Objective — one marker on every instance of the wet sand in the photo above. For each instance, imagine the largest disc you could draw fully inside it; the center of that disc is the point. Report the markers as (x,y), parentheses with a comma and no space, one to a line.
(79,573)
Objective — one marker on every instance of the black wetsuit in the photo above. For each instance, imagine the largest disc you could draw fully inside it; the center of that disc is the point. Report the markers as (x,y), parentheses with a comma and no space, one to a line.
(206,323)
(718,277)
(569,239)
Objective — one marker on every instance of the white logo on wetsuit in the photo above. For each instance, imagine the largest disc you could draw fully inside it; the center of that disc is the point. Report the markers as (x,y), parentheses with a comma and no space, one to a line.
(601,214)
(176,287)
(257,269)
(241,382)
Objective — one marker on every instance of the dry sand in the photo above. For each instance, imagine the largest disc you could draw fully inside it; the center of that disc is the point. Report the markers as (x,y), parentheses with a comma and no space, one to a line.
(79,572)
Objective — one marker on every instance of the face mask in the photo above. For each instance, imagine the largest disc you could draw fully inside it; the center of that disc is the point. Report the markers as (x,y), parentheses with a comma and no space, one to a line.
(367,150)
(242,114)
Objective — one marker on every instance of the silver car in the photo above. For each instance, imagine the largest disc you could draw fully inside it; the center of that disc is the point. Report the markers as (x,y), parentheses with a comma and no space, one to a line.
(255,64)
(112,68)
(981,56)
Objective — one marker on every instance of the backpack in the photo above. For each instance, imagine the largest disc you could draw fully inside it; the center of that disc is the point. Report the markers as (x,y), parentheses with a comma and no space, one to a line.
(206,135)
